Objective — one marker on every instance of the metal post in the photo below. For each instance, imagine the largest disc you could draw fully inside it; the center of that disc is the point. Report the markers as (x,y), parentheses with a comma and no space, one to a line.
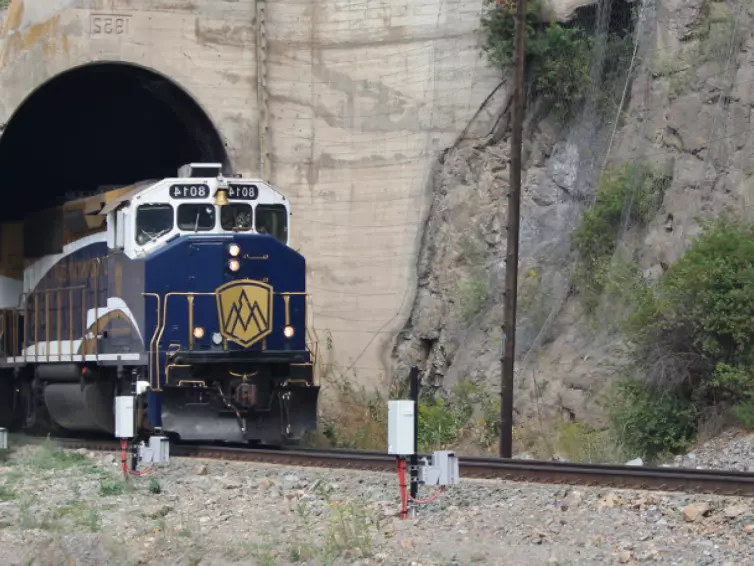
(511,262)
(414,462)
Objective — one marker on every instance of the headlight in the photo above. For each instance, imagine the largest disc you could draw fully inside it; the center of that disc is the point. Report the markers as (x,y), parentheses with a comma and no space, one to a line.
(217,338)
(198,332)
(288,331)
(234,250)
(234,265)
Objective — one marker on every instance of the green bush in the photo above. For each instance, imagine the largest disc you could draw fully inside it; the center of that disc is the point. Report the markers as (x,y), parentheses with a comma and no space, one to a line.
(472,292)
(581,442)
(650,425)
(560,69)
(693,341)
(744,414)
(440,423)
(711,289)
(627,196)
(499,31)
(557,57)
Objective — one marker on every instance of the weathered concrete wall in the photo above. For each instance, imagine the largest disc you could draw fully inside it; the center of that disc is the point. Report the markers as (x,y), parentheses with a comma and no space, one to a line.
(361,94)
(207,48)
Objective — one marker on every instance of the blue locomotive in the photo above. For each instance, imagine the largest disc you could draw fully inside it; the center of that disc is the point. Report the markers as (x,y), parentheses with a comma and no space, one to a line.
(183,291)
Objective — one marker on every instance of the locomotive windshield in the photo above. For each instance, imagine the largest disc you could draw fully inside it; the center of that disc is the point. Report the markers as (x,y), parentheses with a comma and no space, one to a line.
(271,220)
(152,221)
(236,217)
(196,217)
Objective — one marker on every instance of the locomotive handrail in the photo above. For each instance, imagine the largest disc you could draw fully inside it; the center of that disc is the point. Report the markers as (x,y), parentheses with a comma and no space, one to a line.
(154,335)
(311,330)
(161,323)
(164,323)
(12,342)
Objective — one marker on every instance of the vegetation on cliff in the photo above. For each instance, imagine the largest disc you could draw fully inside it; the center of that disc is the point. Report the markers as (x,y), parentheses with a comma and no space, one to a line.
(631,195)
(557,57)
(690,334)
(692,343)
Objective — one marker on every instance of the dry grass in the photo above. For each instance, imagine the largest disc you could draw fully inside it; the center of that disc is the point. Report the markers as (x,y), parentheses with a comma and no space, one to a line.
(573,441)
(356,417)
(465,420)
(353,417)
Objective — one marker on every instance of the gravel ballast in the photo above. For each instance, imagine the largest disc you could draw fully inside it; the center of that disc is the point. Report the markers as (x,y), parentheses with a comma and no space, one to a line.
(72,507)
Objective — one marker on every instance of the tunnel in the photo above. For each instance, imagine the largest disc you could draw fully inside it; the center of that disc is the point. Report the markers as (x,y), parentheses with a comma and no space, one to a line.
(100,125)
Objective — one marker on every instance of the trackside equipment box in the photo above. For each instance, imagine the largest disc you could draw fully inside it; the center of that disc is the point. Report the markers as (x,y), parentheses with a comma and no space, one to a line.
(400,427)
(125,416)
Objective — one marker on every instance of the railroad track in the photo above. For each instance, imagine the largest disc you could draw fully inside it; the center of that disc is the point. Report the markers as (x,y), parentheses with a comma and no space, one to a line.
(564,473)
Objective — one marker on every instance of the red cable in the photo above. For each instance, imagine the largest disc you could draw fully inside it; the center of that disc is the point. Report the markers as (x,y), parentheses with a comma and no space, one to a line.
(124,458)
(405,497)
(402,486)
(405,489)
(431,498)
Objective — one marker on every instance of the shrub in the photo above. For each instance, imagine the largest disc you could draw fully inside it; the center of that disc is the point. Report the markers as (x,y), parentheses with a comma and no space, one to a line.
(581,442)
(561,68)
(499,31)
(651,425)
(719,34)
(693,341)
(629,195)
(472,293)
(711,291)
(557,57)
(444,416)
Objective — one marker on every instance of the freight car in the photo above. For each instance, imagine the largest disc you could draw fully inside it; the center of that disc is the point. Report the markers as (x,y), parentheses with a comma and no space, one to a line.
(183,291)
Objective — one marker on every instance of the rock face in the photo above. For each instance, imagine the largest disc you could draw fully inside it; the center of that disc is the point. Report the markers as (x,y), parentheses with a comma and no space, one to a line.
(687,115)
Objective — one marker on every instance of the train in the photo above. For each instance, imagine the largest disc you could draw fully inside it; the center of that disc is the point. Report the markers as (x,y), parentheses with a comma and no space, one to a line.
(183,292)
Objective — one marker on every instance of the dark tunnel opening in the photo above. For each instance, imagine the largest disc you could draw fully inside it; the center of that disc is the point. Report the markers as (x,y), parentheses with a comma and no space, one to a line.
(99,125)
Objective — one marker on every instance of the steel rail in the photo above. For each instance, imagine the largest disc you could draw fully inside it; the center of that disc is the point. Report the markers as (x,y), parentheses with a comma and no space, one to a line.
(525,471)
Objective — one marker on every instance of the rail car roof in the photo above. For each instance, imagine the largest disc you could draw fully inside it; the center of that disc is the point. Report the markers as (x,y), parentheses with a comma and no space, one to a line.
(113,199)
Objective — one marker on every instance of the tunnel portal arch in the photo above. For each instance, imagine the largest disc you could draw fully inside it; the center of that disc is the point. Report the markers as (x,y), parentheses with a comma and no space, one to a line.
(100,124)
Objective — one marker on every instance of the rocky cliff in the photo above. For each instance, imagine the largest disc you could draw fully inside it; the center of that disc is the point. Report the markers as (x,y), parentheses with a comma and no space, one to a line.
(679,103)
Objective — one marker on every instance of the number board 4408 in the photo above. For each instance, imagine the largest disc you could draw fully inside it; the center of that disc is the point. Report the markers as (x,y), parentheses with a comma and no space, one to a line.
(242,192)
(189,191)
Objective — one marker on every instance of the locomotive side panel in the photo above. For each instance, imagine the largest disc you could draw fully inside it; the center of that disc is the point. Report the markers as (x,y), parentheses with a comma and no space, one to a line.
(78,306)
(124,331)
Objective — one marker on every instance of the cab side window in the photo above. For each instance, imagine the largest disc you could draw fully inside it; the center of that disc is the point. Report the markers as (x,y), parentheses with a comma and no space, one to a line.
(271,219)
(153,221)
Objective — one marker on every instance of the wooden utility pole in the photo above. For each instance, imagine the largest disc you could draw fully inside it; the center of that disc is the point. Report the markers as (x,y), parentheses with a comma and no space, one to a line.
(511,261)
(262,106)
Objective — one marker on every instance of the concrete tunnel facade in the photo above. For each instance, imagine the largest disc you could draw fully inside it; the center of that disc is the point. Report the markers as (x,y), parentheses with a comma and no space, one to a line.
(343,105)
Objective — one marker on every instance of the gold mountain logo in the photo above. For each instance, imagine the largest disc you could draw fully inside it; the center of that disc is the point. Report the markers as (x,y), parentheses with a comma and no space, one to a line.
(244,310)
